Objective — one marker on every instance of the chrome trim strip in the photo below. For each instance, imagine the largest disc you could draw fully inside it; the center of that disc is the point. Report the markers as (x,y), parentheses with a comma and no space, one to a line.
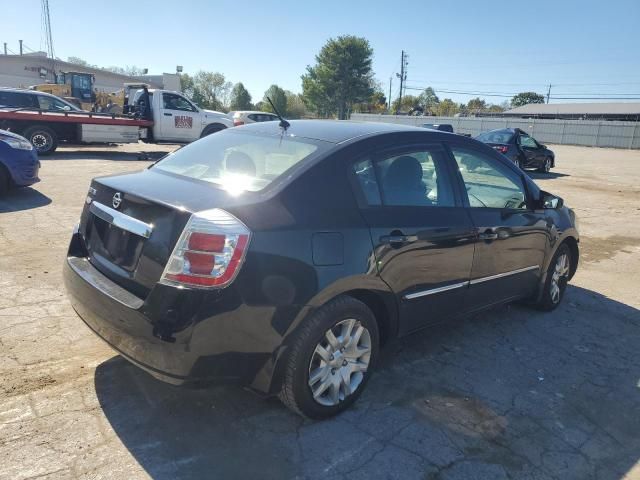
(120,220)
(505,274)
(93,277)
(432,291)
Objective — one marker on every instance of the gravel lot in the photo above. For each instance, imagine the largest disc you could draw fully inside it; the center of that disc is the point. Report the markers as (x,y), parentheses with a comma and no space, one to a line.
(510,393)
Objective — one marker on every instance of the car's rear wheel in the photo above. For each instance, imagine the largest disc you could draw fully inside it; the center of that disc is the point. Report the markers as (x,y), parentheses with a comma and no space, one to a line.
(546,166)
(331,359)
(556,280)
(43,139)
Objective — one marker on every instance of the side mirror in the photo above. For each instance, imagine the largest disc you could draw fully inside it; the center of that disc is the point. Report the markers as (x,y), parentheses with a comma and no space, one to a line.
(548,200)
(66,108)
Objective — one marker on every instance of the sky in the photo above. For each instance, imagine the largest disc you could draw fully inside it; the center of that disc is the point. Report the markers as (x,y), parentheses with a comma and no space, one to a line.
(491,49)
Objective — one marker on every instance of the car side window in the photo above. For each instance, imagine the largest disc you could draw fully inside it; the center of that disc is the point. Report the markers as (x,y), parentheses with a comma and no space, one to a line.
(171,101)
(488,183)
(415,178)
(528,142)
(367,181)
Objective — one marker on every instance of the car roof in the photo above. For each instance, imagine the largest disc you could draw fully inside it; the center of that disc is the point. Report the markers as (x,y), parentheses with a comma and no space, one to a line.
(26,90)
(333,131)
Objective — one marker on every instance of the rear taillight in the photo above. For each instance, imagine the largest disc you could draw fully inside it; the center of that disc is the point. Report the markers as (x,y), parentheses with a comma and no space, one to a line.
(501,148)
(210,251)
(237,123)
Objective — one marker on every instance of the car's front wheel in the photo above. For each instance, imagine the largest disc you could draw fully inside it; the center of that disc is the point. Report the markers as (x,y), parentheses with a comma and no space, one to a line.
(331,359)
(546,166)
(556,280)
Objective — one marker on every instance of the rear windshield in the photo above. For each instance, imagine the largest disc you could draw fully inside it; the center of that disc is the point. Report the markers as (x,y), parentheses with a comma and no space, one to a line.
(497,136)
(239,161)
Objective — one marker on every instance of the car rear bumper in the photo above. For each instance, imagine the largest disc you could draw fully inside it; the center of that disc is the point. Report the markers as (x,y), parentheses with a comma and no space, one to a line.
(178,335)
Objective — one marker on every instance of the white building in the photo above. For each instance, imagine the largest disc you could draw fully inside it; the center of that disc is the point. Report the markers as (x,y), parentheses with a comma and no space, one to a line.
(35,68)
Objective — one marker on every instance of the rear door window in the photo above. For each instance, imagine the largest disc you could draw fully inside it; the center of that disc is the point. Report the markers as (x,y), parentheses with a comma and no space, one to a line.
(416,177)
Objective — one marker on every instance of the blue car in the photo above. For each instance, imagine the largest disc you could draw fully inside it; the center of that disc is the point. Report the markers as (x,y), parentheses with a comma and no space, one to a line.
(19,164)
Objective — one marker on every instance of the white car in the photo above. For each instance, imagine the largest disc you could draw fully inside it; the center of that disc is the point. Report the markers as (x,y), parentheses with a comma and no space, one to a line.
(241,117)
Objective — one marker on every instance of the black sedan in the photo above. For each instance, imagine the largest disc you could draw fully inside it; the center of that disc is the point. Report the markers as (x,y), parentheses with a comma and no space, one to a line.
(284,258)
(521,148)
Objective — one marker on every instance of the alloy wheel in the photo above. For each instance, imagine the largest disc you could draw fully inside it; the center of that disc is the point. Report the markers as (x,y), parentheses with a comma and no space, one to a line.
(560,272)
(339,362)
(547,164)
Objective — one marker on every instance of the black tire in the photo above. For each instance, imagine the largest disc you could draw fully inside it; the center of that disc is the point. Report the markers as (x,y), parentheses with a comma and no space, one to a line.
(546,166)
(5,181)
(296,393)
(547,301)
(43,138)
(209,129)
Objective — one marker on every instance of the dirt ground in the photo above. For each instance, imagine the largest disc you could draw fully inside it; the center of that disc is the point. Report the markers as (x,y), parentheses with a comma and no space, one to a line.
(510,393)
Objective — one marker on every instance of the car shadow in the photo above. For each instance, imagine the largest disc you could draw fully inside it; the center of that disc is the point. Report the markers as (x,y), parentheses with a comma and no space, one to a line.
(547,176)
(509,392)
(19,199)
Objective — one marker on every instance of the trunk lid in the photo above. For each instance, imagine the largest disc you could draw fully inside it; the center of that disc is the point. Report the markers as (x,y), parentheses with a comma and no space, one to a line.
(131,223)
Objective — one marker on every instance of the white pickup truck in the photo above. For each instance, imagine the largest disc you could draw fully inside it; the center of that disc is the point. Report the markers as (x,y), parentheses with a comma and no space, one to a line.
(155,116)
(175,118)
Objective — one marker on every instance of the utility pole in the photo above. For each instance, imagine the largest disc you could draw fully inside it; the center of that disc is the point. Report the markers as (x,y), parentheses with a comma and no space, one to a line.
(389,98)
(5,48)
(548,93)
(20,46)
(402,76)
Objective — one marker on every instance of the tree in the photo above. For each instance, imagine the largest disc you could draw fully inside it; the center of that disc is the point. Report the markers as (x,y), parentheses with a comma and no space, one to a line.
(409,102)
(524,98)
(295,105)
(446,108)
(79,61)
(341,77)
(428,100)
(240,98)
(214,89)
(130,70)
(476,105)
(207,89)
(279,99)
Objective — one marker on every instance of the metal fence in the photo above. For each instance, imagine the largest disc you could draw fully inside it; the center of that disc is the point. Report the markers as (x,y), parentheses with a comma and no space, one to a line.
(591,133)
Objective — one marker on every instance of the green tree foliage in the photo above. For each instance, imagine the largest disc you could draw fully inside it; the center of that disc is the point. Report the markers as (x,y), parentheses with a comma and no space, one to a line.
(377,103)
(240,98)
(428,100)
(524,98)
(341,77)
(279,99)
(207,89)
(476,105)
(409,102)
(296,107)
(446,108)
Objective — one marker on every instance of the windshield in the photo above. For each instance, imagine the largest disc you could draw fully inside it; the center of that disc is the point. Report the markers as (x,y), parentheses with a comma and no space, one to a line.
(496,136)
(239,161)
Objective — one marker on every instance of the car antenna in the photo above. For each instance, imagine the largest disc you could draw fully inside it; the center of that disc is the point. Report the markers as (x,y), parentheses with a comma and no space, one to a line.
(283,123)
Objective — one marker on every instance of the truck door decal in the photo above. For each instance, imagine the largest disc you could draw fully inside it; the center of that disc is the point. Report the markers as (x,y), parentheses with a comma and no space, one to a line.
(183,121)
